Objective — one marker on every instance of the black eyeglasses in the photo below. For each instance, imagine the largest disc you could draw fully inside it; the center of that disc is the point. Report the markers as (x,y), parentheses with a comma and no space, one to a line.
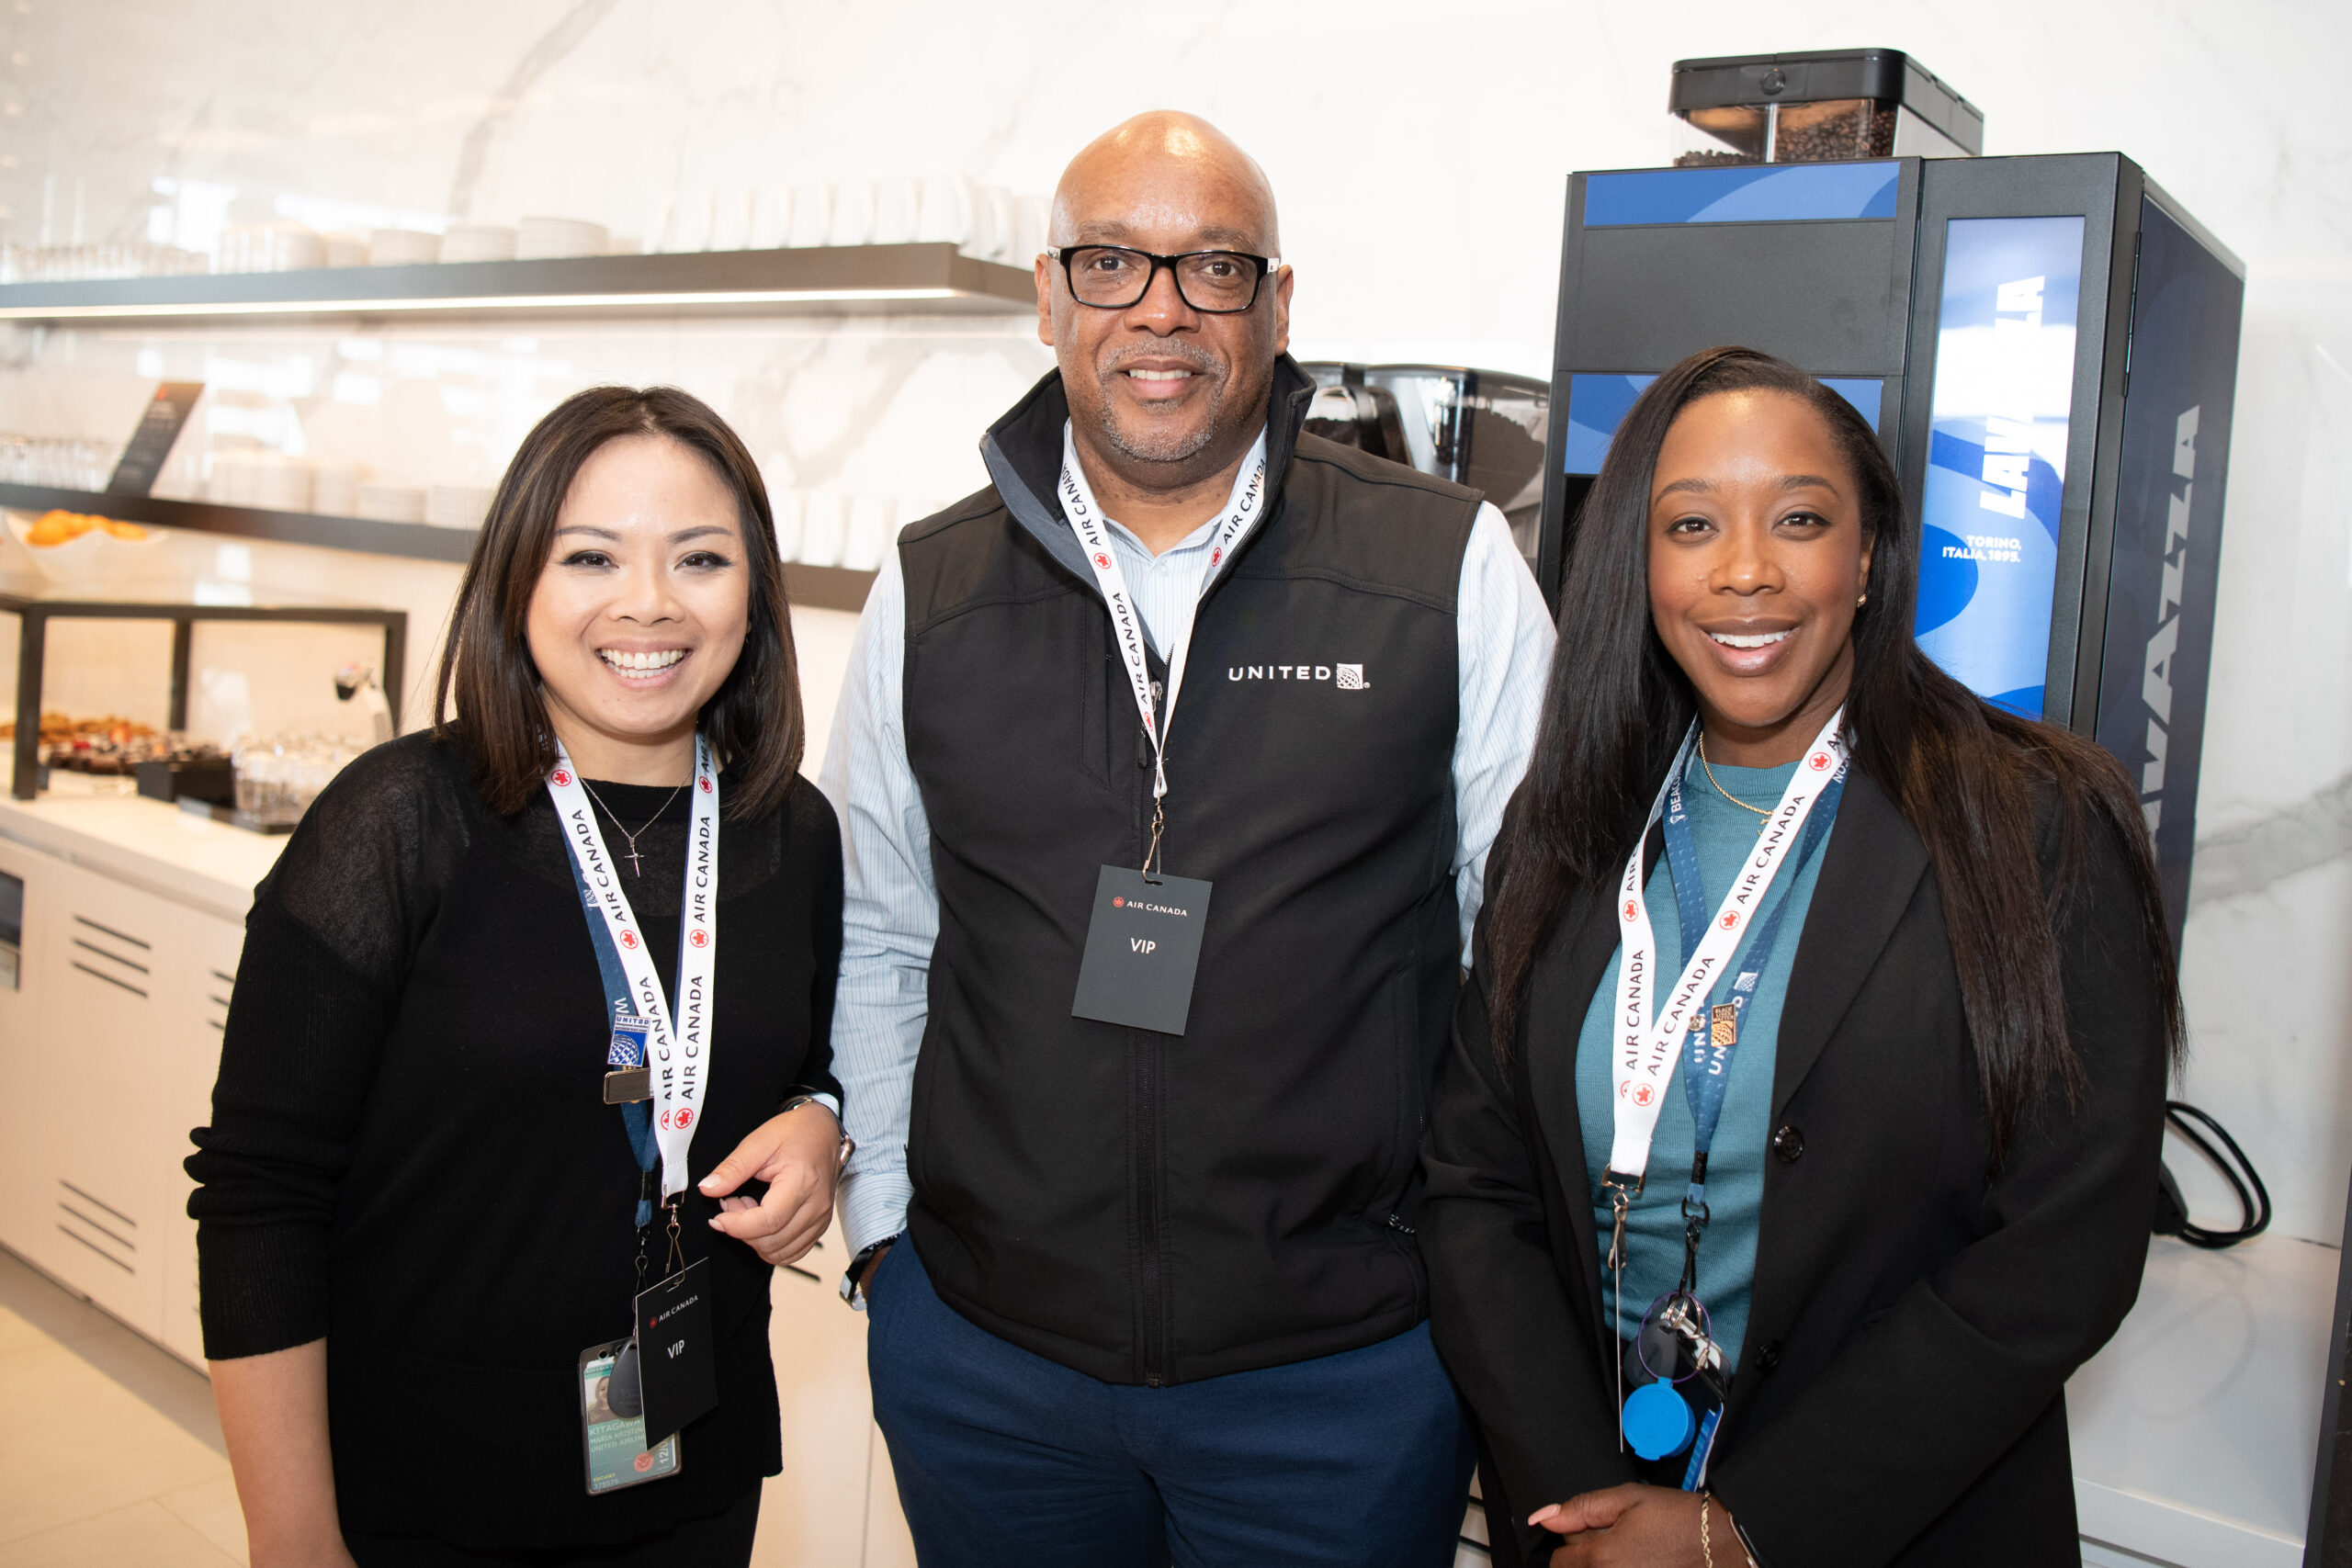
(1113,277)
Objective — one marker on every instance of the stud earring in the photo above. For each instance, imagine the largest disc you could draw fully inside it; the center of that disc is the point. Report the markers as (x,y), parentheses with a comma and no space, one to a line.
(1862,601)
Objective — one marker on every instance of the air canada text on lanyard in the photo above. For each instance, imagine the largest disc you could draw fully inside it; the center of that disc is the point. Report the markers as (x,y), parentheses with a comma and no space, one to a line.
(678,1043)
(1094,533)
(1648,1026)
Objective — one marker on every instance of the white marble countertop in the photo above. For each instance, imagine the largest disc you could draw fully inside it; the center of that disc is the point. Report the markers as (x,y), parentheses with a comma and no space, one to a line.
(2196,1430)
(147,843)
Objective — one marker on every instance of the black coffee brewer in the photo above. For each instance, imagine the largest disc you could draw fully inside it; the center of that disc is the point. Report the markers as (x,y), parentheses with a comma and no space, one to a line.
(1480,428)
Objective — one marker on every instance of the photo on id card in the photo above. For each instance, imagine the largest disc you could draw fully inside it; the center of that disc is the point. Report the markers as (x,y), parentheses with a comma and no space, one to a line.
(615,1444)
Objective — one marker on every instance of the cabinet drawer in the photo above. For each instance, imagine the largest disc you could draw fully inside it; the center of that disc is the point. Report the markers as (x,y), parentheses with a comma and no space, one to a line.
(107,1051)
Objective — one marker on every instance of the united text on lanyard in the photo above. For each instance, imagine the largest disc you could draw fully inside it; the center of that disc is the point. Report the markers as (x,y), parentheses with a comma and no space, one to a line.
(1231,527)
(678,1048)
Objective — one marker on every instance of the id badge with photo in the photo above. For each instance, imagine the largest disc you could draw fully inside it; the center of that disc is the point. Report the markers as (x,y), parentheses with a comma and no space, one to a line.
(614,1444)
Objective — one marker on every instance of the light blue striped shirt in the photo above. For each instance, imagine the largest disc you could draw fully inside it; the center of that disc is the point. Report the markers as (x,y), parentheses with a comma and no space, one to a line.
(890,916)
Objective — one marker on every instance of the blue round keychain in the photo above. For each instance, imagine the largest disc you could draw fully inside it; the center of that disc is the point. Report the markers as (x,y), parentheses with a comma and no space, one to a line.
(1657,1421)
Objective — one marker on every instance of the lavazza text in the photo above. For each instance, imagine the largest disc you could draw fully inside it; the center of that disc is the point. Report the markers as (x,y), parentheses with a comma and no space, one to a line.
(2155,687)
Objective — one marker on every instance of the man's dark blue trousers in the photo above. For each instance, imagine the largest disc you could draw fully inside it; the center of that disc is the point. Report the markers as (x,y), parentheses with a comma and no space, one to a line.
(1358,1460)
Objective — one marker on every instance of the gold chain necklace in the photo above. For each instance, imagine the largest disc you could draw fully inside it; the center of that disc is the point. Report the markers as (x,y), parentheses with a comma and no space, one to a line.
(1760,811)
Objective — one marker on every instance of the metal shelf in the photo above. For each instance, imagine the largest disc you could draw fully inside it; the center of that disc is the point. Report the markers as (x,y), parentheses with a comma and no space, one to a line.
(813,587)
(924,279)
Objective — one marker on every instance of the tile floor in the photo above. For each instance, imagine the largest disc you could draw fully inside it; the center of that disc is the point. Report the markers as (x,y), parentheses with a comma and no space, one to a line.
(112,1457)
(113,1454)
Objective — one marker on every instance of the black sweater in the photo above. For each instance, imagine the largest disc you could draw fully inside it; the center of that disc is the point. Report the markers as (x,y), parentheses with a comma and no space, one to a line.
(409,1155)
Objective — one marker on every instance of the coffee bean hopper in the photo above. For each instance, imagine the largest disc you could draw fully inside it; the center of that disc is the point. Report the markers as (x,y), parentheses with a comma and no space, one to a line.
(1816,107)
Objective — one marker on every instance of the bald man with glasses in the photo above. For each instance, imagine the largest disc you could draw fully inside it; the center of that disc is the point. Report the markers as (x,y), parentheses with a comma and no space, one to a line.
(1167,766)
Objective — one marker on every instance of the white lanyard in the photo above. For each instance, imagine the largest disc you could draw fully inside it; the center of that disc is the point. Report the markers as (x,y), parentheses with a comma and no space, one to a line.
(1094,533)
(1647,1030)
(679,1056)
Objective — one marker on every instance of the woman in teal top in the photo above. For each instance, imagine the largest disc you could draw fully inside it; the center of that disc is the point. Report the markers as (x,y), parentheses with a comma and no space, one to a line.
(1799,1135)
(1727,806)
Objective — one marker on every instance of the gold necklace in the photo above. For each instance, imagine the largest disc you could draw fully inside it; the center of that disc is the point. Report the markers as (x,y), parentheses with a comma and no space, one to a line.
(1760,811)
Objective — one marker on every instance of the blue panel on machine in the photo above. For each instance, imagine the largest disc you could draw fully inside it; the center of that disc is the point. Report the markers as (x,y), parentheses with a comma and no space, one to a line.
(1997,456)
(1765,193)
(1599,404)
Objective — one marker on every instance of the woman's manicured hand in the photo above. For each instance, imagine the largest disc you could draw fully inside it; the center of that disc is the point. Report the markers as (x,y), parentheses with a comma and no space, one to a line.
(1637,1527)
(798,1156)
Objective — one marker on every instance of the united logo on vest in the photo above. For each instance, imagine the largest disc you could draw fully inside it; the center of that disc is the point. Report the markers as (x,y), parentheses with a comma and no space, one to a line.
(1346,677)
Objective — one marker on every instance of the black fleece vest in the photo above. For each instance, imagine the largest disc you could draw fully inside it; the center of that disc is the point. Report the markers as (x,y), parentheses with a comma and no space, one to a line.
(1141,1207)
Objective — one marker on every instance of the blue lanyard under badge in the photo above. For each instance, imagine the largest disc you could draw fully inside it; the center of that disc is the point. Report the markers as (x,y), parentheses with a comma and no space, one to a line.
(627,1077)
(1674,1347)
(1714,1032)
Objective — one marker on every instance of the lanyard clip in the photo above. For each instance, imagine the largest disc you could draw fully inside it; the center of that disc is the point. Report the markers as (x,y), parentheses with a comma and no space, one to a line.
(1620,1202)
(1158,825)
(677,1257)
(1694,1224)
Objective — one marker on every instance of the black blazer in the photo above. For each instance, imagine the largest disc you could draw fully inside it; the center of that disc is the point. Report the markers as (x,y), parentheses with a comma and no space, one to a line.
(1899,1399)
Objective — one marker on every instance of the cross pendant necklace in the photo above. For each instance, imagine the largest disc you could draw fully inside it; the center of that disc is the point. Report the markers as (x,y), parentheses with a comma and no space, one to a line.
(636,861)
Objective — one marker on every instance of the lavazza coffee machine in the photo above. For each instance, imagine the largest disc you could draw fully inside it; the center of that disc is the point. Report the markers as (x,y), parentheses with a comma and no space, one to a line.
(2047,347)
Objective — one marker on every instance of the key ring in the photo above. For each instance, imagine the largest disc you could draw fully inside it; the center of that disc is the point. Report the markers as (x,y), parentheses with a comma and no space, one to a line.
(1661,1315)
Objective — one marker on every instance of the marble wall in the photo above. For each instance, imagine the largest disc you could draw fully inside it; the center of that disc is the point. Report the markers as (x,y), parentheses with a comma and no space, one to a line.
(1420,152)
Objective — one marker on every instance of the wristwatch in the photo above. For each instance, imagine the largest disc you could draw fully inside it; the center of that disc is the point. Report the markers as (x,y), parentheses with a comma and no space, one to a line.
(852,1291)
(848,1144)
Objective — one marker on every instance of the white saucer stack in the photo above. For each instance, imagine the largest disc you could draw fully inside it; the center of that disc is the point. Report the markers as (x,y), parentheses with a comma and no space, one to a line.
(541,239)
(477,242)
(390,503)
(402,247)
(268,479)
(457,506)
(335,487)
(279,247)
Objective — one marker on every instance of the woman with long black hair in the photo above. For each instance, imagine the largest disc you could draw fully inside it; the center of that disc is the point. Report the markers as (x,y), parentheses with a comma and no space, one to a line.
(1800,1135)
